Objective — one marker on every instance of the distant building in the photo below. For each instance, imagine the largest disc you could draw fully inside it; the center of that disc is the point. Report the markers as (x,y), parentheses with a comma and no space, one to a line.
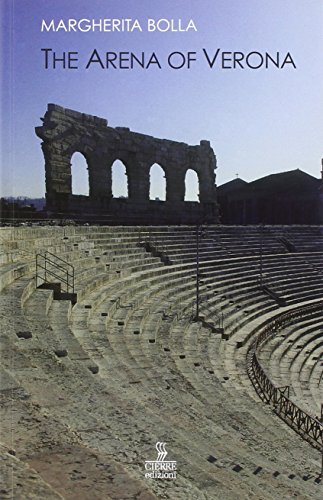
(293,197)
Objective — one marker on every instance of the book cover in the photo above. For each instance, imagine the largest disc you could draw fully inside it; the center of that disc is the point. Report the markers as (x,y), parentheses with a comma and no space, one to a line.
(160,179)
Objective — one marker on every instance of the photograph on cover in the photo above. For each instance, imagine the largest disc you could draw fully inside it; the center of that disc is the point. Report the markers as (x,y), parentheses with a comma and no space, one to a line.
(161,243)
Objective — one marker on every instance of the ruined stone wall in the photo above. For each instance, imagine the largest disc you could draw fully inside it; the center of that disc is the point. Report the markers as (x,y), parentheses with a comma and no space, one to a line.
(65,132)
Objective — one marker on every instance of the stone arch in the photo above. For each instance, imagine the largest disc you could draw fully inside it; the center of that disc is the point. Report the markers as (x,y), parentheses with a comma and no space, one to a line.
(157,182)
(192,186)
(80,184)
(119,179)
(65,131)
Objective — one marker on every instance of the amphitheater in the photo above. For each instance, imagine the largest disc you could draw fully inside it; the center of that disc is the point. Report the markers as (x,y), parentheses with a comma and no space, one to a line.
(206,339)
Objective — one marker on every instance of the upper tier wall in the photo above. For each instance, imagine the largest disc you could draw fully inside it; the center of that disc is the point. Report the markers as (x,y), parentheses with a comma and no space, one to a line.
(65,132)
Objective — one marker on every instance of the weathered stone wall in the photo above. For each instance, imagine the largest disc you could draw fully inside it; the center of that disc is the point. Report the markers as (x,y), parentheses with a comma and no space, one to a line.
(65,132)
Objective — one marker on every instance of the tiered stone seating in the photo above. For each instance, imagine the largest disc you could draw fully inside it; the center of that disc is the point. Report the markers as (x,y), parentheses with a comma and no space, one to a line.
(229,241)
(126,367)
(214,242)
(56,462)
(305,238)
(290,357)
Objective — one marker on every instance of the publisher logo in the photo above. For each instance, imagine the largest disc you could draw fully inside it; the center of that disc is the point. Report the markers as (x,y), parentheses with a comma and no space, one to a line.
(160,468)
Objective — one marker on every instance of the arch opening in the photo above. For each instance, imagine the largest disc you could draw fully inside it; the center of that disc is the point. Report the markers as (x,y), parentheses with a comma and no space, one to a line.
(80,174)
(119,180)
(157,183)
(192,186)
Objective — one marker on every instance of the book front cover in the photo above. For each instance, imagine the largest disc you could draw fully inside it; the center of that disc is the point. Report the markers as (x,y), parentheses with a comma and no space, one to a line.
(131,130)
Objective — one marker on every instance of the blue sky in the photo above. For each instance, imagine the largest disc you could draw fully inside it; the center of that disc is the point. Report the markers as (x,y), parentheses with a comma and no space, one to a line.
(258,121)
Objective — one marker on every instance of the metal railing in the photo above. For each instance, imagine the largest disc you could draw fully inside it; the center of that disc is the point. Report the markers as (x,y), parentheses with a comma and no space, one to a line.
(119,304)
(51,268)
(269,290)
(306,425)
(217,317)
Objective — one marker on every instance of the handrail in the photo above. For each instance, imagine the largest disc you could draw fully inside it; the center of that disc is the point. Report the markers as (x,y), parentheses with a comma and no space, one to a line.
(308,426)
(119,305)
(47,252)
(219,315)
(297,418)
(56,265)
(50,272)
(68,270)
